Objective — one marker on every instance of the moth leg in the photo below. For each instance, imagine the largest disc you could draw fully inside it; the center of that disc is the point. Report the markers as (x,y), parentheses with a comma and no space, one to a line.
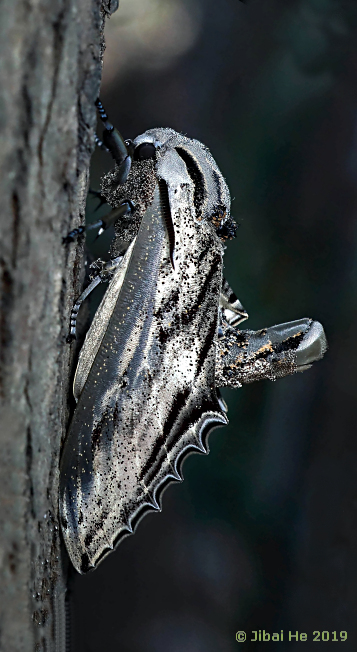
(105,273)
(120,149)
(244,356)
(123,210)
(231,308)
(98,195)
(100,144)
(115,214)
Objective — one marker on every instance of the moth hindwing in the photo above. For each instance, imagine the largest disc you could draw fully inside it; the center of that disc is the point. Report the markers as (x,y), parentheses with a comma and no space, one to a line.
(164,337)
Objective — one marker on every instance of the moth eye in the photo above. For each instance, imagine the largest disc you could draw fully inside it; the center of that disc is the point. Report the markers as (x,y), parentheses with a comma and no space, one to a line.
(144,151)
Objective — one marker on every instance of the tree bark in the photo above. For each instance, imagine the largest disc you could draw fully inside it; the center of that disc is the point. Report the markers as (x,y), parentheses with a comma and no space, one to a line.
(51,54)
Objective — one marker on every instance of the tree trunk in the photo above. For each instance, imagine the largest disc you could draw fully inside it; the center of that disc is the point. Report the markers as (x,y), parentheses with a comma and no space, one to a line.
(50,75)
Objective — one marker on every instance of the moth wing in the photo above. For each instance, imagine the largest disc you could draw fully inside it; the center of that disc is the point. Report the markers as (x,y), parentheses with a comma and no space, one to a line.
(99,325)
(149,396)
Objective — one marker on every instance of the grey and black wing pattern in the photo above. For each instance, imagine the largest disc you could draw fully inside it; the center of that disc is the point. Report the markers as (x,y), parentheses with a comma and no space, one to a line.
(147,393)
(164,337)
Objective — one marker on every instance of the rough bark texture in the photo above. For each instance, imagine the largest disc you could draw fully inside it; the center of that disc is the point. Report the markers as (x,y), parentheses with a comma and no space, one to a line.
(50,74)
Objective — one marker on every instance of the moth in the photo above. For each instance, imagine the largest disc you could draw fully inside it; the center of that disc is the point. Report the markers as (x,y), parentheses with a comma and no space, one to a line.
(164,339)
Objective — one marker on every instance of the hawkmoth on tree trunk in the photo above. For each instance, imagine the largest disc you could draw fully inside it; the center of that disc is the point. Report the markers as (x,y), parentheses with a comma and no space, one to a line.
(163,340)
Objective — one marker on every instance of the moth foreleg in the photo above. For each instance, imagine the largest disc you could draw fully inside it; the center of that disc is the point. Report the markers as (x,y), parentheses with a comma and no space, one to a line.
(98,195)
(120,149)
(244,356)
(100,144)
(105,273)
(115,214)
(123,210)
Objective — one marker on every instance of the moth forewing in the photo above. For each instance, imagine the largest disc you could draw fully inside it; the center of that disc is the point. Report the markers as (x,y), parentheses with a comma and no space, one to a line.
(99,325)
(149,396)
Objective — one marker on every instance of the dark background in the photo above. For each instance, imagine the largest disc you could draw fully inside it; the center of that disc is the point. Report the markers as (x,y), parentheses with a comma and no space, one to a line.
(262,533)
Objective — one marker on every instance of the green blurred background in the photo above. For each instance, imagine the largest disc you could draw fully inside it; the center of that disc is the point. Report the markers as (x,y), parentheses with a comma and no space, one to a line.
(262,533)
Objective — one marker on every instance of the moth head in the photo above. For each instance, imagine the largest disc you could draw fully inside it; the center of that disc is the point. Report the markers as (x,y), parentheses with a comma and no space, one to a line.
(138,189)
(211,194)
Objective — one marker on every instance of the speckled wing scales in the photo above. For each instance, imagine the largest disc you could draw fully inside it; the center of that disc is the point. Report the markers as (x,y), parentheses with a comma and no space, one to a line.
(245,356)
(148,396)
